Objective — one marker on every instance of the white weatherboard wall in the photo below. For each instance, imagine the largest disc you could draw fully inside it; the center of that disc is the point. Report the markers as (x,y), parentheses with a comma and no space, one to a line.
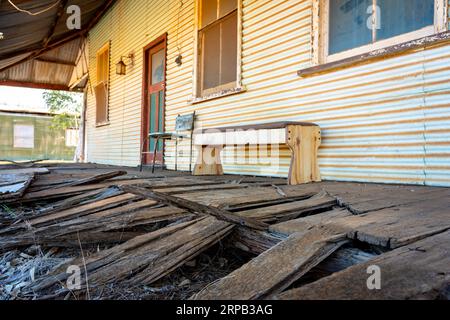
(387,121)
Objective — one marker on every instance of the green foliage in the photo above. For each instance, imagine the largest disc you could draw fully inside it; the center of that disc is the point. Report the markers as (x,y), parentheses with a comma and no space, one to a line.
(66,106)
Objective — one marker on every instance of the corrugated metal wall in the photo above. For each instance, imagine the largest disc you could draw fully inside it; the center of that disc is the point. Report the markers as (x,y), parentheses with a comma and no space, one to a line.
(388,121)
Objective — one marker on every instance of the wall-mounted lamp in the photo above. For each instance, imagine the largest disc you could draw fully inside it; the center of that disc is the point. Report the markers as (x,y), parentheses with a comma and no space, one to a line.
(179,60)
(121,66)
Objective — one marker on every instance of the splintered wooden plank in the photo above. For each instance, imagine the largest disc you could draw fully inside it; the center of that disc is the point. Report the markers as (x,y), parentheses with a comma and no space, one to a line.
(13,186)
(306,223)
(46,195)
(98,220)
(291,209)
(25,171)
(276,269)
(92,179)
(420,270)
(59,192)
(398,226)
(84,198)
(254,241)
(123,217)
(105,257)
(248,195)
(362,198)
(195,207)
(70,213)
(147,258)
(199,187)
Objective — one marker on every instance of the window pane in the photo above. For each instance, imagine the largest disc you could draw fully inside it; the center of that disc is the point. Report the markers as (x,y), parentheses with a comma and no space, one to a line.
(400,16)
(229,49)
(102,66)
(101,103)
(226,6)
(158,66)
(348,25)
(24,136)
(211,57)
(209,12)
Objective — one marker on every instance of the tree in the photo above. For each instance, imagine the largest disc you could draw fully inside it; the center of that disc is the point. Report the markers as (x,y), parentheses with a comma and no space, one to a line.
(66,106)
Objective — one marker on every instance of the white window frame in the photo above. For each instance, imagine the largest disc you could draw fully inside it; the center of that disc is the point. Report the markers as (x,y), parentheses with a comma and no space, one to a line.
(320,38)
(71,137)
(223,90)
(19,140)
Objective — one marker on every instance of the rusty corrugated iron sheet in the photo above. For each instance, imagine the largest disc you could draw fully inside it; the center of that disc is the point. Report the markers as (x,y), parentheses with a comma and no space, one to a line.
(24,35)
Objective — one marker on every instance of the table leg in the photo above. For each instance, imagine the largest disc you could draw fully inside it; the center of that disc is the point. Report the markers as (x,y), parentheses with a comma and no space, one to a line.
(304,144)
(208,161)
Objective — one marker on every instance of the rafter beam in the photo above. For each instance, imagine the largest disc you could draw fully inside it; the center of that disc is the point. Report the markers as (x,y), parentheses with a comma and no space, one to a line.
(56,61)
(59,14)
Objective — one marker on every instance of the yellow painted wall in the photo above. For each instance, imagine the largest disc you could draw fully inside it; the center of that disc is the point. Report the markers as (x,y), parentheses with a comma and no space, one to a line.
(388,121)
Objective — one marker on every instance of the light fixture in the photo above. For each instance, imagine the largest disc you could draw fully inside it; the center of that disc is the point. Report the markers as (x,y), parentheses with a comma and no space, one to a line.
(179,60)
(121,66)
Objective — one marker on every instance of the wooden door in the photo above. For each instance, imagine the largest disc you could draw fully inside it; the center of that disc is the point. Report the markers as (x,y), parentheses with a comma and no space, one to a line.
(154,98)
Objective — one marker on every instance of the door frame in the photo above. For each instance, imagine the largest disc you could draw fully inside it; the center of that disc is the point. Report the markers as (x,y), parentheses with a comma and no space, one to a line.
(146,158)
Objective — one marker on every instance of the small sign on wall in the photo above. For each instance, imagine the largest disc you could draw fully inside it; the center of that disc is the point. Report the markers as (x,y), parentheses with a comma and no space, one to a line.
(24,136)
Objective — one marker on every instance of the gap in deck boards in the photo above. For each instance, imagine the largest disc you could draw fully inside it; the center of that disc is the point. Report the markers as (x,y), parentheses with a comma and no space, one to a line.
(350,254)
(213,264)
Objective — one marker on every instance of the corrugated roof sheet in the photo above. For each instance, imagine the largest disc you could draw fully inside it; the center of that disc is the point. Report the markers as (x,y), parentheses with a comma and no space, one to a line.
(27,59)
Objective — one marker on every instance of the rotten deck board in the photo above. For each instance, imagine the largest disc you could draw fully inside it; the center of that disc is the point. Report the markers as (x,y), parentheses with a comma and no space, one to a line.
(420,270)
(276,269)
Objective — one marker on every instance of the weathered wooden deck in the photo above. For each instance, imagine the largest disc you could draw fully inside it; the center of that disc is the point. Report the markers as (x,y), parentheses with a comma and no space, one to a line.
(293,231)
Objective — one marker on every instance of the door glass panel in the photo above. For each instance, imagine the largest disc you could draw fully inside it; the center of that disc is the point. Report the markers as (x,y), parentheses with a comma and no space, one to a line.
(348,27)
(158,66)
(160,117)
(399,16)
(152,120)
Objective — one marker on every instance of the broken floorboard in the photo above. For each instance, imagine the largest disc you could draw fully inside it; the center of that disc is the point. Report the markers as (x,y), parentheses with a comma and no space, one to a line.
(417,271)
(390,228)
(276,269)
(147,258)
(291,210)
(196,207)
(13,186)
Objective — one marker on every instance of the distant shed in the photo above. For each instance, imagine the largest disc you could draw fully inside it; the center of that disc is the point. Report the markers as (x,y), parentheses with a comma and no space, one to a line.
(30,136)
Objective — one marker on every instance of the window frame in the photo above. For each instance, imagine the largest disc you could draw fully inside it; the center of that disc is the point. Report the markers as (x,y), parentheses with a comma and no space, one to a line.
(71,133)
(101,51)
(16,145)
(225,89)
(320,39)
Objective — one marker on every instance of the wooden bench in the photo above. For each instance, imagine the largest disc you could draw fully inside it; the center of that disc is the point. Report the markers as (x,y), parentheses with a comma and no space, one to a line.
(302,138)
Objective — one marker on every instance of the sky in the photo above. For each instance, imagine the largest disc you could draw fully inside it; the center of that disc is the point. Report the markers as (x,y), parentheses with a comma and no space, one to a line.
(22,99)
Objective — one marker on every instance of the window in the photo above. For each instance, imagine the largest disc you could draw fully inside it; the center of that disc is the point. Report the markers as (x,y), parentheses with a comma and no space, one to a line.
(102,87)
(24,136)
(218,49)
(72,137)
(352,27)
